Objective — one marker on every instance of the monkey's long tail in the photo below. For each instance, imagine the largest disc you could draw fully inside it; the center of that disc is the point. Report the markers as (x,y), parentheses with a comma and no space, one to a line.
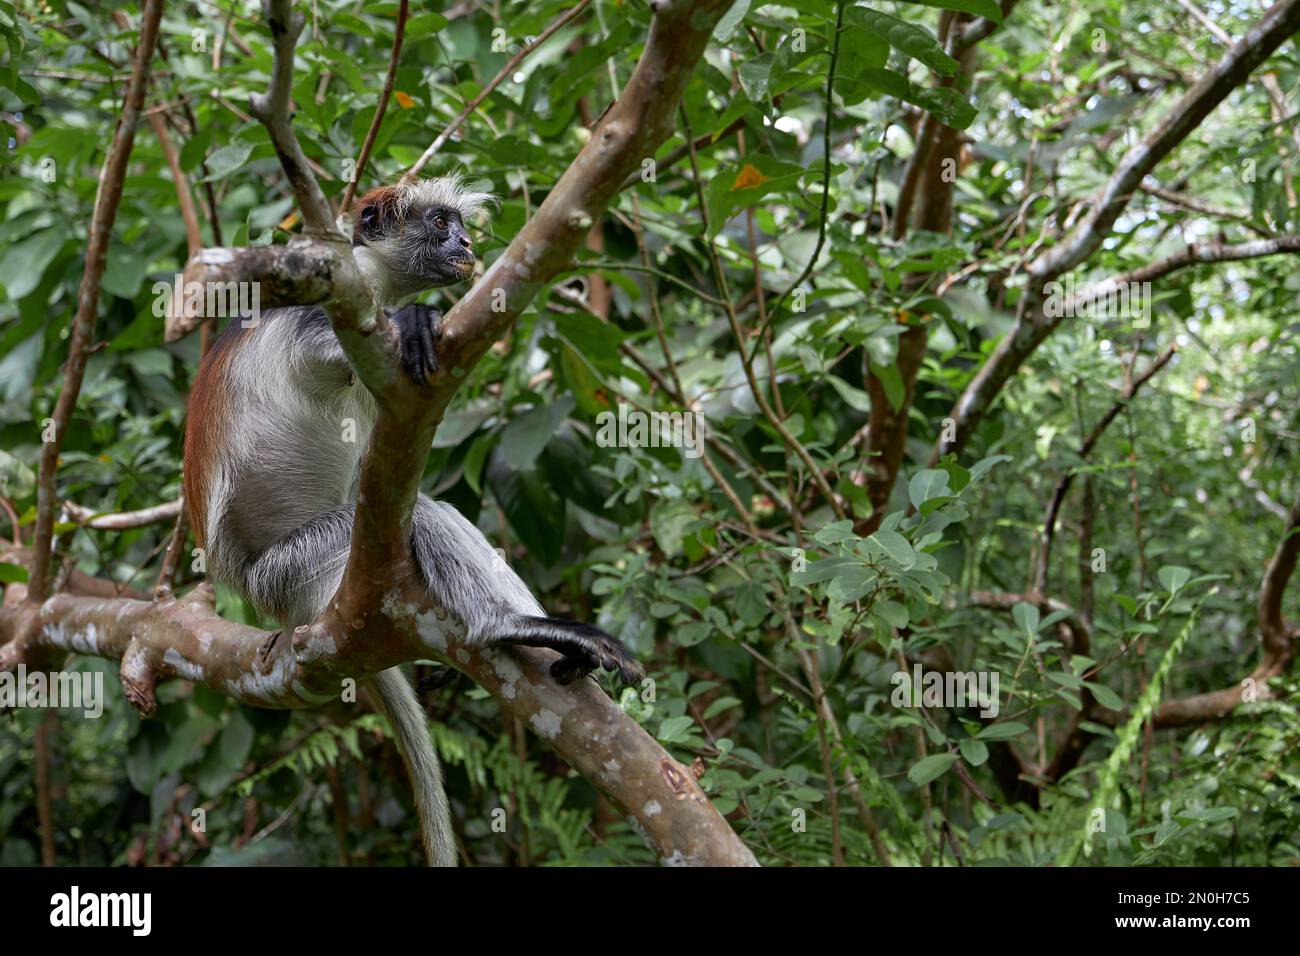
(410,728)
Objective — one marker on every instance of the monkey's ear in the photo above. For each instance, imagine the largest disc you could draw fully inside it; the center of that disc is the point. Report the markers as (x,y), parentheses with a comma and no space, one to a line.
(369,224)
(377,213)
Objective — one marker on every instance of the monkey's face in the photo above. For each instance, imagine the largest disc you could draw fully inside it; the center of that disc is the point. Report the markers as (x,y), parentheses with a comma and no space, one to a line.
(427,247)
(438,249)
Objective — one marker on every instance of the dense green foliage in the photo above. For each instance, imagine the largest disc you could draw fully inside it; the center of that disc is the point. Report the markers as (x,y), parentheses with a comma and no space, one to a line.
(735,621)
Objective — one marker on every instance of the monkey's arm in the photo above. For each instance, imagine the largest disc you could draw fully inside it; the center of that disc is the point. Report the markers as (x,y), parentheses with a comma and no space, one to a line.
(417,327)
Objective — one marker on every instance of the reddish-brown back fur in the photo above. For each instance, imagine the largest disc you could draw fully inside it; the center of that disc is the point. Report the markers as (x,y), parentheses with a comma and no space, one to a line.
(208,404)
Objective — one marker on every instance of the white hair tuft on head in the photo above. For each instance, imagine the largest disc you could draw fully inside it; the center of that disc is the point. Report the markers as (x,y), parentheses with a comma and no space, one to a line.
(451,191)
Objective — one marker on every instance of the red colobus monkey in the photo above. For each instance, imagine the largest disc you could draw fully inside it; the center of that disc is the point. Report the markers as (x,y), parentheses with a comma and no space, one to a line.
(270,485)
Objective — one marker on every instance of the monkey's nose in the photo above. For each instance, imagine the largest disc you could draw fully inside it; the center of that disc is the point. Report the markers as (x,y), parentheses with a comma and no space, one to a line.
(467,242)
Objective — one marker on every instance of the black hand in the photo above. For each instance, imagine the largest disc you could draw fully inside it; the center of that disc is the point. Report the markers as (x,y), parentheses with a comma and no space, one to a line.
(418,328)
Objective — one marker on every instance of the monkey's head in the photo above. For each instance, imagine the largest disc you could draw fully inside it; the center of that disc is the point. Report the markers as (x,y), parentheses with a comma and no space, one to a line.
(412,236)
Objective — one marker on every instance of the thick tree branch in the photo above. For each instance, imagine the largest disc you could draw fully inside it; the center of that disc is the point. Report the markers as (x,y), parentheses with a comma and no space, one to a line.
(1277,637)
(185,638)
(926,187)
(1277,25)
(273,109)
(1196,253)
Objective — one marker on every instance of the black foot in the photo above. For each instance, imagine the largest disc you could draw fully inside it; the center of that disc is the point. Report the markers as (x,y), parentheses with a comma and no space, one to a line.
(585,649)
(418,328)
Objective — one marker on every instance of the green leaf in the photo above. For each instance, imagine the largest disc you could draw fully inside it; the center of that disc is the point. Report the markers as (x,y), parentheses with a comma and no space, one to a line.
(896,546)
(891,612)
(904,36)
(751,603)
(754,74)
(1003,731)
(851,583)
(974,751)
(892,382)
(1105,696)
(1026,617)
(599,342)
(744,184)
(226,755)
(527,434)
(855,398)
(985,465)
(1173,577)
(981,8)
(12,573)
(227,159)
(674,729)
(125,272)
(462,422)
(534,510)
(947,105)
(668,521)
(730,20)
(930,768)
(927,484)
(424,24)
(24,265)
(719,705)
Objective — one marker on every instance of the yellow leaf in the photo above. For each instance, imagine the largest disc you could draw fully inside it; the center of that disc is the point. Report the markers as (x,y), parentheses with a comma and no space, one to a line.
(404,101)
(289,221)
(748,178)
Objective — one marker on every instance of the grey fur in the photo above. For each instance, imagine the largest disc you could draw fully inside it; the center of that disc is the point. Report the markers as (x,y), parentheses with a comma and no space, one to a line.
(281,506)
(280,521)
(411,731)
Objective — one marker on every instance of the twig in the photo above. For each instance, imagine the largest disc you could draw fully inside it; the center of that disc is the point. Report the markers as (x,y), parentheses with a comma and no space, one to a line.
(122,520)
(399,31)
(1048,533)
(826,185)
(506,71)
(83,323)
(755,389)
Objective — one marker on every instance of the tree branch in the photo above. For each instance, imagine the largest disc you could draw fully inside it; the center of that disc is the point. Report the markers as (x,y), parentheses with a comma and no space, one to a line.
(122,520)
(1277,638)
(381,107)
(1196,253)
(107,198)
(1031,327)
(186,639)
(504,73)
(1048,533)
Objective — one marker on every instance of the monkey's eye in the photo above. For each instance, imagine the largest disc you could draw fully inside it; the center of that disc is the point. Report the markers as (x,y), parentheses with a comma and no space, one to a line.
(439,223)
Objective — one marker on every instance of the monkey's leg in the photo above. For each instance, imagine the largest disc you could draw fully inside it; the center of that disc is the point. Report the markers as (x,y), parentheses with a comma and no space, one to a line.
(474,582)
(293,579)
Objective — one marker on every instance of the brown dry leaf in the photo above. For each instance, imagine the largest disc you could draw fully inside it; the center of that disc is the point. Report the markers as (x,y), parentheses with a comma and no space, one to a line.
(748,178)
